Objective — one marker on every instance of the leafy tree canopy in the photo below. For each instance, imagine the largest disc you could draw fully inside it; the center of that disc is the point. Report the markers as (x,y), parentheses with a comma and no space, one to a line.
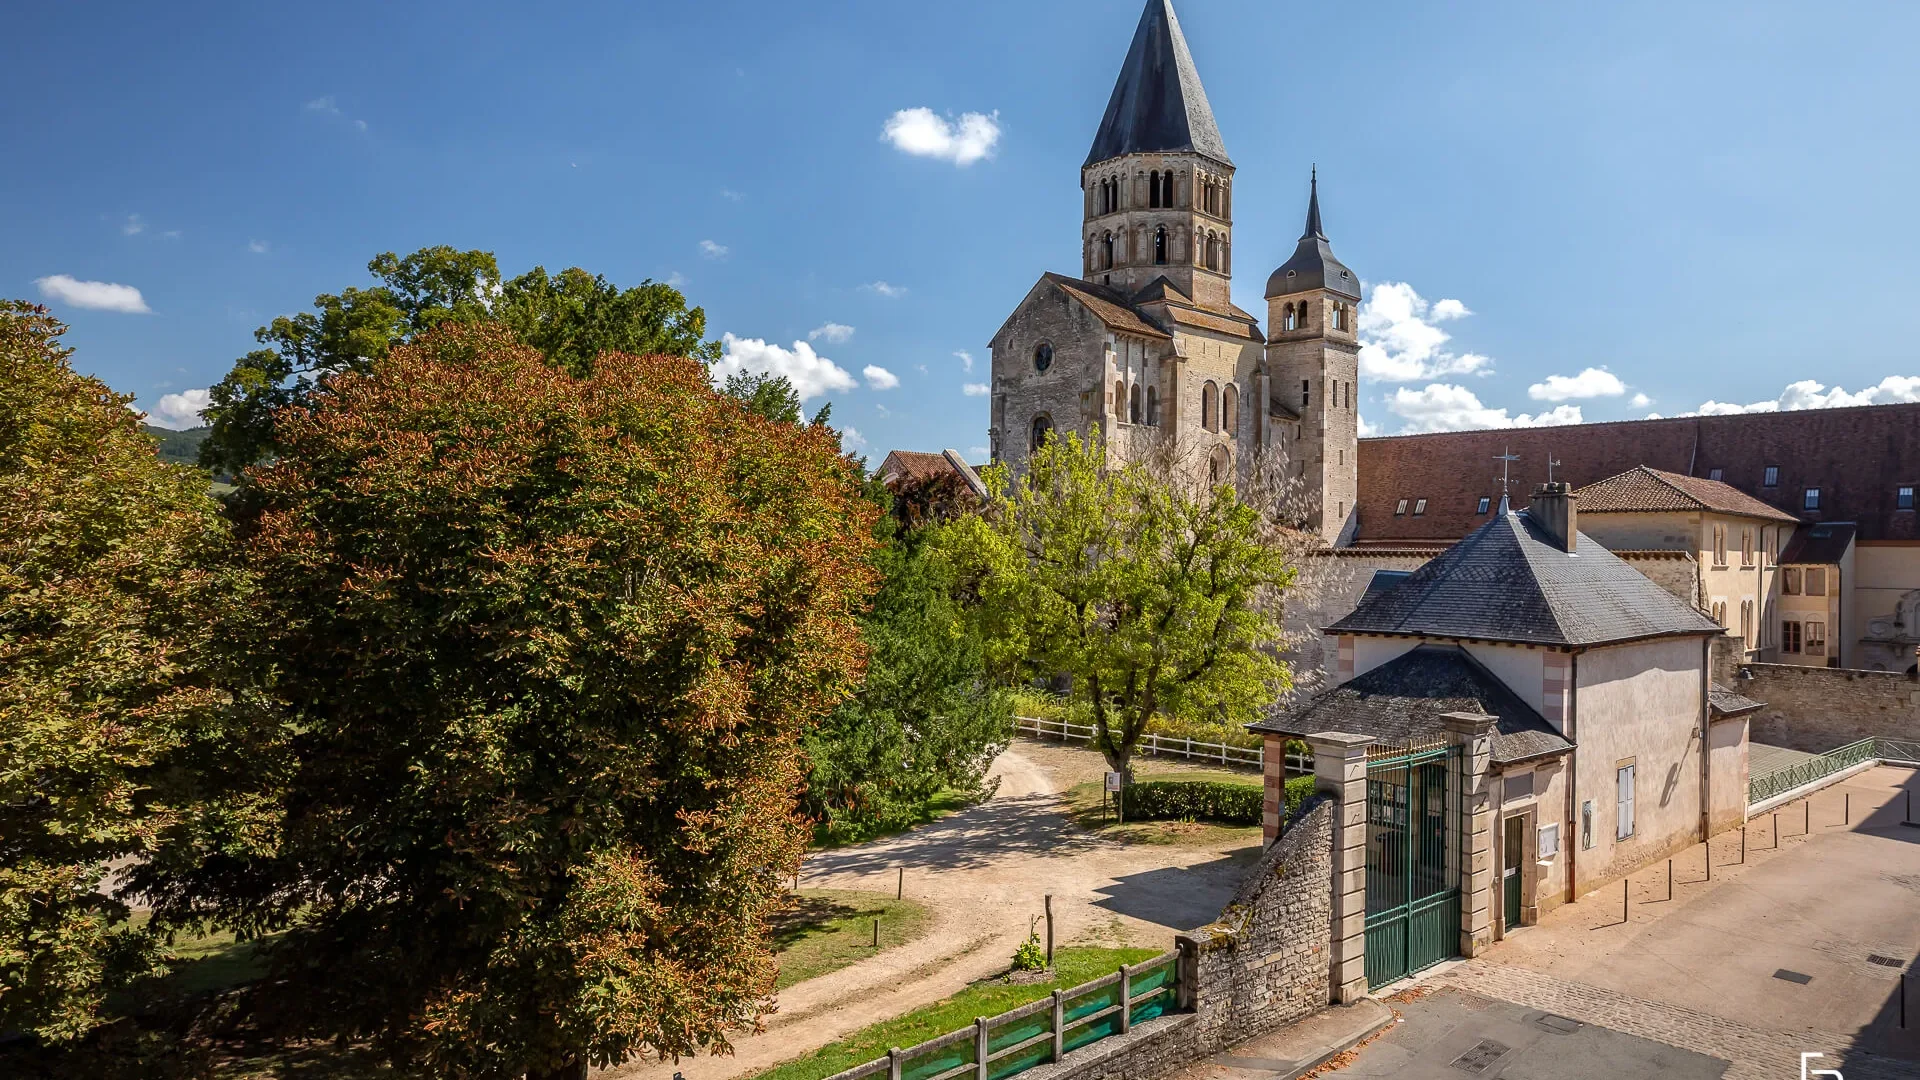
(547,642)
(570,317)
(1154,597)
(110,571)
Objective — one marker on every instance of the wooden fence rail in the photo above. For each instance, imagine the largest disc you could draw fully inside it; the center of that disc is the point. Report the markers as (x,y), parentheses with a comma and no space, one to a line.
(1162,745)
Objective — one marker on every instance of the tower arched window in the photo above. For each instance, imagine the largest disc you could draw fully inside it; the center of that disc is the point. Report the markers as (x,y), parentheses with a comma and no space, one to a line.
(1219,466)
(1133,405)
(1120,400)
(1230,409)
(1153,406)
(1106,252)
(1153,189)
(1160,246)
(1166,192)
(1210,407)
(1292,318)
(1042,427)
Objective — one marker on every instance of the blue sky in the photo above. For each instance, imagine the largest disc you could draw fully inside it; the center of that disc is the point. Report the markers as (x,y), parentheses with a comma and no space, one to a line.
(1711,204)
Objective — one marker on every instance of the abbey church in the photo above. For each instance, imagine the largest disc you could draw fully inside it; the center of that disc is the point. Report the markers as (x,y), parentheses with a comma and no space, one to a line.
(1817,508)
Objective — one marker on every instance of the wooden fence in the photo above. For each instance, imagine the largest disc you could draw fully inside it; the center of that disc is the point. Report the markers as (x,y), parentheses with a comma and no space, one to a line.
(1038,1033)
(1161,745)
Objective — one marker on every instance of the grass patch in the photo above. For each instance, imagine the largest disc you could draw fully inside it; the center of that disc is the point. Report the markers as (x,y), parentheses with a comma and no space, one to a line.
(824,931)
(944,803)
(1072,966)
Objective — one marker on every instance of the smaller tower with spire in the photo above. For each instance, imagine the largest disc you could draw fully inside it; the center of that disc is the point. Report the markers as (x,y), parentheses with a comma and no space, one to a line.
(1313,360)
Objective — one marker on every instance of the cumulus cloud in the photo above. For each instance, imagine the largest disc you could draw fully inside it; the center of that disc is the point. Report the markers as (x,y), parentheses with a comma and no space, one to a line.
(851,441)
(324,105)
(966,359)
(1400,341)
(134,226)
(1640,401)
(1809,394)
(891,292)
(93,295)
(181,410)
(1368,429)
(835,333)
(1446,407)
(976,389)
(713,250)
(730,195)
(1591,383)
(810,373)
(880,378)
(258,247)
(924,133)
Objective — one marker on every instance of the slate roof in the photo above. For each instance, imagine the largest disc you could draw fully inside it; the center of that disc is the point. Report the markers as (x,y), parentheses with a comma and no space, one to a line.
(1401,703)
(1858,457)
(1507,581)
(1644,489)
(1158,104)
(1728,703)
(1313,265)
(1818,545)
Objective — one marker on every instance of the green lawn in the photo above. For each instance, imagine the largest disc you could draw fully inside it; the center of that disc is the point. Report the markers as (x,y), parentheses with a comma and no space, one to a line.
(941,805)
(828,930)
(1072,966)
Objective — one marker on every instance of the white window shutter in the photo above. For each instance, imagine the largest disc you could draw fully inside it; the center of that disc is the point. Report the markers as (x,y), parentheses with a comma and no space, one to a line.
(1625,800)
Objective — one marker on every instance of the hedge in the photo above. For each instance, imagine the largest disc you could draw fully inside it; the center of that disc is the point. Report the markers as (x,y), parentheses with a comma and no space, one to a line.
(1206,800)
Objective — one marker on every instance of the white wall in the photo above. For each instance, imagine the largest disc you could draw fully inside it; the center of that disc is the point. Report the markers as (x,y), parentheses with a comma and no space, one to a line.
(1522,668)
(1371,652)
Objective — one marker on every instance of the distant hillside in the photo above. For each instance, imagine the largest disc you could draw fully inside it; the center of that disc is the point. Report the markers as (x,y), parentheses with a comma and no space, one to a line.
(178,447)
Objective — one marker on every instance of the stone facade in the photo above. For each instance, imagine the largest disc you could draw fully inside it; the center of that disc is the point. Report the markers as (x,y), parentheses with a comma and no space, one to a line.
(1816,709)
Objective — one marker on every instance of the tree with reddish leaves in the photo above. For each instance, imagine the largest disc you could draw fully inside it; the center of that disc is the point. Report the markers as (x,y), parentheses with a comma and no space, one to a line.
(546,645)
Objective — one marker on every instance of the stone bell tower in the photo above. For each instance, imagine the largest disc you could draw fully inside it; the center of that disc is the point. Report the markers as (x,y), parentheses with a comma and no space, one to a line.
(1313,357)
(1158,184)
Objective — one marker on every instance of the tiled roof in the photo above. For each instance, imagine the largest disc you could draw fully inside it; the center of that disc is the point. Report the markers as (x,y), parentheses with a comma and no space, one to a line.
(1507,581)
(1818,545)
(1857,457)
(1728,703)
(1401,703)
(913,465)
(1647,489)
(1109,305)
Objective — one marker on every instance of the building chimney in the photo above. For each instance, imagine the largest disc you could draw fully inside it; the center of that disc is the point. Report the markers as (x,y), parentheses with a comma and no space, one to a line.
(1553,511)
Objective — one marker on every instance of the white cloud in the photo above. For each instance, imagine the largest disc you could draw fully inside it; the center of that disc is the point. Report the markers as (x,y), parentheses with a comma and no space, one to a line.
(93,295)
(851,441)
(835,333)
(810,373)
(712,250)
(258,247)
(1444,407)
(978,454)
(360,124)
(891,292)
(182,410)
(1808,394)
(1591,383)
(880,378)
(677,280)
(1640,401)
(134,226)
(966,359)
(924,133)
(731,195)
(325,105)
(1368,429)
(1400,343)
(171,234)
(976,389)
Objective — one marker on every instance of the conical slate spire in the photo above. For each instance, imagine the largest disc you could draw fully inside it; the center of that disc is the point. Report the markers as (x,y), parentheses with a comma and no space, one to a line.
(1158,104)
(1314,231)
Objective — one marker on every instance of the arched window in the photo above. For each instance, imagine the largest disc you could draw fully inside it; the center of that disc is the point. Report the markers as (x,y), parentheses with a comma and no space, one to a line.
(1160,246)
(1106,252)
(1133,405)
(1042,427)
(1120,401)
(1210,407)
(1292,318)
(1166,195)
(1153,406)
(1219,466)
(1230,409)
(1153,189)
(1213,251)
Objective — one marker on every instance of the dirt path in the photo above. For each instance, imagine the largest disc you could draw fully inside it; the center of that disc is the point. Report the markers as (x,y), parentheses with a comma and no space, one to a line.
(984,872)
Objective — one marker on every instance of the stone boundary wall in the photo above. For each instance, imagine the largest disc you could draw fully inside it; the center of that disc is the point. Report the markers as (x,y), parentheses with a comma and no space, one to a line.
(1817,709)
(1263,964)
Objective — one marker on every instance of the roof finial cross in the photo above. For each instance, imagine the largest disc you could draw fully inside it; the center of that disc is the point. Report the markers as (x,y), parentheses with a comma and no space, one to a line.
(1506,460)
(1551,463)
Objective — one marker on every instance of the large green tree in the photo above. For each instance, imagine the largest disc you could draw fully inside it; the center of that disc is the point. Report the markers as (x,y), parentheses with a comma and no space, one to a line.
(570,318)
(111,580)
(925,719)
(547,643)
(1155,597)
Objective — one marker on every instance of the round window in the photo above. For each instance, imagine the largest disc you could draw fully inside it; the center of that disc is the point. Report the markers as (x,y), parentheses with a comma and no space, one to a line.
(1042,357)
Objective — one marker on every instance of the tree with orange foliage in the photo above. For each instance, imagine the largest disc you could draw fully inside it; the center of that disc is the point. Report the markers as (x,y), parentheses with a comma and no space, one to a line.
(546,645)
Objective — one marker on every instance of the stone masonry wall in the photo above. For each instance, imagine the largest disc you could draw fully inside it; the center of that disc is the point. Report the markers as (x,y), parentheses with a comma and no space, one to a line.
(1261,966)
(1816,709)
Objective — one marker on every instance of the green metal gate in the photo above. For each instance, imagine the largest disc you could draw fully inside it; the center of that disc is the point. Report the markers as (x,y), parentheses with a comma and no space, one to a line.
(1413,894)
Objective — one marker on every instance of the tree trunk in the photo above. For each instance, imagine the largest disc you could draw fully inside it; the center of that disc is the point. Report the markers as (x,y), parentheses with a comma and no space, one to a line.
(577,1070)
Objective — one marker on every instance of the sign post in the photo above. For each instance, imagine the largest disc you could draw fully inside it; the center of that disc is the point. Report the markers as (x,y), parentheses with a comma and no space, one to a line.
(1115,781)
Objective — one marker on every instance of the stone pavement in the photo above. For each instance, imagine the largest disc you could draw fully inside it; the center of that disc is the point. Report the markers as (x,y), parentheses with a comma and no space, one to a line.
(1297,1048)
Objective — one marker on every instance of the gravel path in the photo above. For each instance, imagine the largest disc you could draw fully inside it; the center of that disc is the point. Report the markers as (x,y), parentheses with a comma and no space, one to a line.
(984,872)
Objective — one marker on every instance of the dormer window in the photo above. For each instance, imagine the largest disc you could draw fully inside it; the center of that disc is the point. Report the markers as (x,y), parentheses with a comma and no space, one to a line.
(1486,503)
(1903,498)
(1811,499)
(1419,507)
(1772,477)
(1716,474)
(1400,508)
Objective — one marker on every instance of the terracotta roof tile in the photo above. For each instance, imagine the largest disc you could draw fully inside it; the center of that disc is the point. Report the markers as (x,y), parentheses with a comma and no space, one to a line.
(1646,489)
(1109,306)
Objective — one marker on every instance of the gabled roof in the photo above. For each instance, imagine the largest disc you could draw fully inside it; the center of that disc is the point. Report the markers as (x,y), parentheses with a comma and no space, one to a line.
(1401,703)
(1819,545)
(1109,305)
(1158,104)
(1508,581)
(1643,489)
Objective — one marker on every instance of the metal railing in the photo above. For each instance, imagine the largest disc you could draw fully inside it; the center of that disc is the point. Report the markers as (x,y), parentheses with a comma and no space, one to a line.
(1038,1033)
(1162,745)
(1801,773)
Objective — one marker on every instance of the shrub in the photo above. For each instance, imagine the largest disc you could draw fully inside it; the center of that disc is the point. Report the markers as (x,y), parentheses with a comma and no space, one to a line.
(1207,800)
(1030,956)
